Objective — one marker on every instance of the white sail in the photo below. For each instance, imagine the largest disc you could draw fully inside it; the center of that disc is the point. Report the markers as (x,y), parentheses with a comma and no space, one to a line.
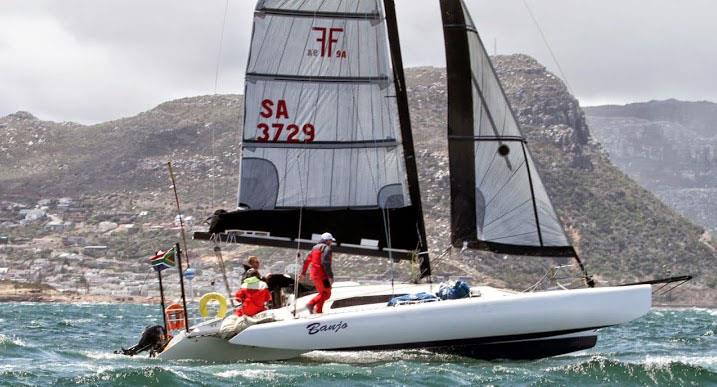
(321,126)
(326,142)
(512,210)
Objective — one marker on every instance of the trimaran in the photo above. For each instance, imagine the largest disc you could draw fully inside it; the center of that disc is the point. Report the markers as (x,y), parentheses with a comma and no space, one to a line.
(327,146)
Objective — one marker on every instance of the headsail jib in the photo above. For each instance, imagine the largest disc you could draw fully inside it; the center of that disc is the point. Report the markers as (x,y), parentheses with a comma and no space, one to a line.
(500,204)
(322,142)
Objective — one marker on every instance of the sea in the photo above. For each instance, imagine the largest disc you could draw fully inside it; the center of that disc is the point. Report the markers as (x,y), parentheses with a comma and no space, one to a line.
(62,345)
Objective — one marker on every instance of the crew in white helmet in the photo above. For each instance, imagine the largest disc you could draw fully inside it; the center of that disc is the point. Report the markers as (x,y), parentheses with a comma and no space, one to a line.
(321,274)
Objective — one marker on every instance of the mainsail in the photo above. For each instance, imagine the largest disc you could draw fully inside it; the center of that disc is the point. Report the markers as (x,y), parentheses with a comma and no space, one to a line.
(326,138)
(498,201)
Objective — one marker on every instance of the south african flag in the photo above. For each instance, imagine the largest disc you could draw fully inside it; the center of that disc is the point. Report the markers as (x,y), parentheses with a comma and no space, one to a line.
(164,260)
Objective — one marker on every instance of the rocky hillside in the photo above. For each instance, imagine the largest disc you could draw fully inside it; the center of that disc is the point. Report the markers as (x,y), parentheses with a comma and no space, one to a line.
(622,231)
(670,147)
(699,116)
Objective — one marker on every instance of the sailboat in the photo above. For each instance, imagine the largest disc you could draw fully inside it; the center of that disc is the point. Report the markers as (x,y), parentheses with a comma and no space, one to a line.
(327,146)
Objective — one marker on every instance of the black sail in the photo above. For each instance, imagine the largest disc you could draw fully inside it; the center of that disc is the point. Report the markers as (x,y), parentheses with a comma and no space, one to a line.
(326,142)
(498,201)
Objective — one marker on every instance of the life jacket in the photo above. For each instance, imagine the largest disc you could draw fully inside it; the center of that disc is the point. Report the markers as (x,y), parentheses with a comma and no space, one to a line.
(314,260)
(253,294)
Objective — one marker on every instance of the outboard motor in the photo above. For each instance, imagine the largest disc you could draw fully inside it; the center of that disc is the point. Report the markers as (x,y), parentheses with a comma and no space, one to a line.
(153,339)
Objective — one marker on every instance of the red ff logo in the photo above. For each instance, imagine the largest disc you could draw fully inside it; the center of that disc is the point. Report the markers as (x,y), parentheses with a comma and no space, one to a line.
(329,37)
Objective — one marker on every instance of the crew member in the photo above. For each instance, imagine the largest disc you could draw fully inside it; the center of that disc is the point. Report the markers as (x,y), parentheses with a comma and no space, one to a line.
(252,263)
(253,295)
(321,274)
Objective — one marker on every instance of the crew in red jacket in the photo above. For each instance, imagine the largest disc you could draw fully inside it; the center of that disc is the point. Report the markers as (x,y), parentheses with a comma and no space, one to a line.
(253,295)
(321,274)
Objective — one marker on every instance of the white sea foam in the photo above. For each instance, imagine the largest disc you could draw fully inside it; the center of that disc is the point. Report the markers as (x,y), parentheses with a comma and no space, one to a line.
(102,355)
(12,340)
(659,361)
(77,321)
(267,375)
(368,357)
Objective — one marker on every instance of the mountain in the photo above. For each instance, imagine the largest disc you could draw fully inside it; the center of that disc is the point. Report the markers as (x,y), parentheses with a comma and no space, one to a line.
(622,231)
(699,116)
(670,147)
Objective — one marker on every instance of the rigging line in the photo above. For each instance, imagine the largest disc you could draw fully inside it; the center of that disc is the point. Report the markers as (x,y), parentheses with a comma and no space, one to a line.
(179,213)
(221,43)
(545,41)
(213,168)
(144,282)
(302,194)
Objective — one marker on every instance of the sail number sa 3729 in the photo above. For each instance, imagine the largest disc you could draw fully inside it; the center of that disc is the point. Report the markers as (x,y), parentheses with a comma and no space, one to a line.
(282,131)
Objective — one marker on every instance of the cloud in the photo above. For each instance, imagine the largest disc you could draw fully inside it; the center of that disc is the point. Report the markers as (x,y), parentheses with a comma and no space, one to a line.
(90,61)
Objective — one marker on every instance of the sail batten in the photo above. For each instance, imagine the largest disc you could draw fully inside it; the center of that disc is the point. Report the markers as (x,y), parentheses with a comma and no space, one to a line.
(502,206)
(383,80)
(324,142)
(324,14)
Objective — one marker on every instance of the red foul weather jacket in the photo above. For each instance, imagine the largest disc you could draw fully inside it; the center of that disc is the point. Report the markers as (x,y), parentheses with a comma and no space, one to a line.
(253,294)
(320,260)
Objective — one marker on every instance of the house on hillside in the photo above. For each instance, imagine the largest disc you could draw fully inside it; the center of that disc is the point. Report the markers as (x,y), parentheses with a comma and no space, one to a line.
(65,203)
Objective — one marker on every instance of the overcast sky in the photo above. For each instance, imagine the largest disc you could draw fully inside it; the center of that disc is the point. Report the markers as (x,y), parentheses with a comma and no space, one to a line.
(90,61)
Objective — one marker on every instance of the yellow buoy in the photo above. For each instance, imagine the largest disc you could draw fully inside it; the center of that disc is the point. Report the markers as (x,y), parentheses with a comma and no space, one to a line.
(213,297)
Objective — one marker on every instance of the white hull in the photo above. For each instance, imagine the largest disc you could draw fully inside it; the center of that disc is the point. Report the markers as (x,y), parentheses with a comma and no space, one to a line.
(498,324)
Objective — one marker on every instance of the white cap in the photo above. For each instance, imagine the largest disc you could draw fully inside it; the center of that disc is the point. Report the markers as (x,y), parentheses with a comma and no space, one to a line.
(327,237)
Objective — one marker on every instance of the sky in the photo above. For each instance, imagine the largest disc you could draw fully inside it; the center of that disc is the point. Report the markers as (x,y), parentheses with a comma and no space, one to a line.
(90,61)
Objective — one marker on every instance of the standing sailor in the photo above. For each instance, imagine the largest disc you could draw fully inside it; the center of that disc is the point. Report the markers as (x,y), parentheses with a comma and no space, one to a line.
(321,274)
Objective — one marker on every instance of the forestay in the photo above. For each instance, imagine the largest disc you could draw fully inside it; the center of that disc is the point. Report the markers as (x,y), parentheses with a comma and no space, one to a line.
(498,201)
(323,148)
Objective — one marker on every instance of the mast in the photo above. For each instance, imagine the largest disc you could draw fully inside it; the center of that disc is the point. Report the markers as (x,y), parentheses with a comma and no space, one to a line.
(406,132)
(461,152)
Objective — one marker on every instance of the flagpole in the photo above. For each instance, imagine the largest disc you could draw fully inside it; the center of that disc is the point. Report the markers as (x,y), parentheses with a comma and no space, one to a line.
(181,285)
(161,295)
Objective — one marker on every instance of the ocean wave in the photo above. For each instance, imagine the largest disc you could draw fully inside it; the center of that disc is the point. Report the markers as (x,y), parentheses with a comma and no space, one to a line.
(703,361)
(266,375)
(74,322)
(655,370)
(102,355)
(371,357)
(10,342)
(711,312)
(132,376)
